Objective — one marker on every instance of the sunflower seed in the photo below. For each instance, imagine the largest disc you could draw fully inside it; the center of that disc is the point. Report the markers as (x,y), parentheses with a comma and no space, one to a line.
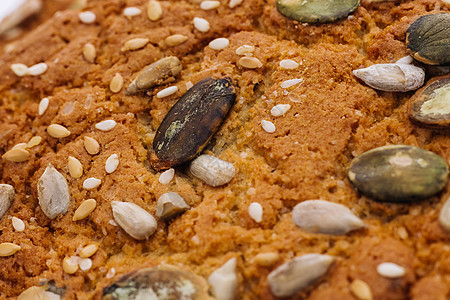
(298,273)
(166,176)
(18,224)
(319,216)
(88,250)
(170,205)
(212,170)
(43,105)
(135,220)
(361,290)
(219,43)
(19,69)
(16,155)
(224,281)
(175,40)
(106,125)
(75,167)
(112,163)
(390,270)
(53,193)
(134,44)
(87,17)
(91,145)
(154,10)
(91,183)
(89,52)
(57,131)
(6,198)
(8,249)
(116,83)
(444,215)
(85,208)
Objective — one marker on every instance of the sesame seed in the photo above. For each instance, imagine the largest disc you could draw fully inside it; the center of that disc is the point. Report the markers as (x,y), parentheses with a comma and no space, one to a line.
(18,224)
(279,110)
(266,259)
(390,270)
(16,155)
(234,3)
(245,50)
(361,290)
(134,44)
(88,250)
(57,131)
(201,24)
(268,126)
(175,40)
(85,264)
(85,208)
(70,265)
(87,17)
(89,52)
(131,11)
(91,183)
(43,105)
(291,82)
(19,69)
(167,91)
(111,163)
(250,62)
(208,5)
(37,69)
(288,64)
(106,125)
(20,146)
(166,176)
(219,43)
(116,83)
(75,167)
(111,273)
(154,10)
(255,211)
(91,145)
(34,141)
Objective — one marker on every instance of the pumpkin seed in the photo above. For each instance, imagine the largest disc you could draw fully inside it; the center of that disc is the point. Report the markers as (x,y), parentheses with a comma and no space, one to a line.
(53,193)
(427,39)
(430,106)
(317,11)
(398,173)
(319,216)
(135,220)
(158,73)
(298,273)
(212,170)
(162,282)
(191,122)
(224,281)
(6,198)
(169,205)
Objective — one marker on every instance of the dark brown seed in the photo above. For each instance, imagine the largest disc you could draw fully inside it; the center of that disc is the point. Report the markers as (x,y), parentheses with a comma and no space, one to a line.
(430,106)
(428,39)
(191,122)
(162,282)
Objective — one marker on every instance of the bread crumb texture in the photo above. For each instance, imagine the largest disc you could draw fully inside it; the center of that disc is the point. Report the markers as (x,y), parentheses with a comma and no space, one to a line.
(333,117)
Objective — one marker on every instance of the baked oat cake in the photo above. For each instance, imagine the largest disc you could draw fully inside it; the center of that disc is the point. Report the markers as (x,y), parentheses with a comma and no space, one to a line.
(317,193)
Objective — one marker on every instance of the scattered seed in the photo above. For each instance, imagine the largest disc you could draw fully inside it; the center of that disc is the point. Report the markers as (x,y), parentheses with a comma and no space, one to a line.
(75,167)
(53,193)
(219,43)
(37,69)
(208,5)
(19,69)
(298,273)
(106,125)
(88,250)
(291,82)
(34,141)
(85,264)
(43,105)
(111,273)
(116,83)
(170,205)
(20,146)
(288,64)
(57,131)
(167,92)
(212,170)
(361,290)
(38,292)
(6,198)
(255,211)
(166,176)
(16,155)
(89,52)
(136,221)
(111,163)
(134,44)
(87,17)
(268,126)
(267,259)
(70,265)
(250,62)
(279,110)
(390,270)
(18,224)
(406,60)
(224,280)
(201,24)
(154,10)
(91,183)
(444,215)
(131,11)
(175,40)
(85,208)
(245,50)
(91,145)
(8,249)
(234,3)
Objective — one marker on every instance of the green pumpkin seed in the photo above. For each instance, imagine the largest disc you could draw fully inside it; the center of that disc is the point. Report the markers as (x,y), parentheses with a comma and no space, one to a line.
(398,173)
(430,106)
(162,282)
(316,11)
(191,122)
(428,39)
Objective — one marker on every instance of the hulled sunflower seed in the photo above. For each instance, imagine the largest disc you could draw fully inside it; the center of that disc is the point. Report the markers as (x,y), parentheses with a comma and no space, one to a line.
(298,273)
(8,249)
(88,250)
(154,10)
(89,52)
(18,224)
(170,205)
(57,131)
(444,215)
(43,105)
(6,198)
(319,216)
(134,44)
(212,170)
(250,62)
(91,145)
(53,193)
(158,73)
(116,83)
(135,220)
(390,270)
(34,141)
(16,155)
(392,77)
(175,40)
(85,208)
(75,167)
(224,281)
(191,122)
(361,290)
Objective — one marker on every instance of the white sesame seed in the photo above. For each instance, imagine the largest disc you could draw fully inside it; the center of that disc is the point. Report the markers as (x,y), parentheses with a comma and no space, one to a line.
(43,105)
(219,43)
(167,91)
(268,126)
(250,62)
(154,10)
(201,24)
(166,176)
(234,3)
(291,82)
(37,69)
(113,223)
(189,84)
(18,224)
(57,131)
(208,5)
(255,211)
(390,270)
(279,110)
(85,263)
(91,183)
(288,64)
(245,50)
(87,17)
(135,44)
(106,125)
(131,11)
(111,273)
(19,69)
(111,163)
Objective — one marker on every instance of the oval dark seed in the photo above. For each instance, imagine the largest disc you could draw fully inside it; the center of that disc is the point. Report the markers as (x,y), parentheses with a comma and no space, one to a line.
(398,173)
(191,122)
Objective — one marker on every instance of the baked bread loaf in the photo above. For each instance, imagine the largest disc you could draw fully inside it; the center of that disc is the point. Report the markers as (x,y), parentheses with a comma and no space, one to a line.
(269,209)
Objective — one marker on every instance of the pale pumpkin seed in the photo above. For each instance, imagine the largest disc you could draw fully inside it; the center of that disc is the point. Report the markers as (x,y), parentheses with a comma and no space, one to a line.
(398,173)
(135,220)
(317,11)
(169,205)
(6,198)
(53,193)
